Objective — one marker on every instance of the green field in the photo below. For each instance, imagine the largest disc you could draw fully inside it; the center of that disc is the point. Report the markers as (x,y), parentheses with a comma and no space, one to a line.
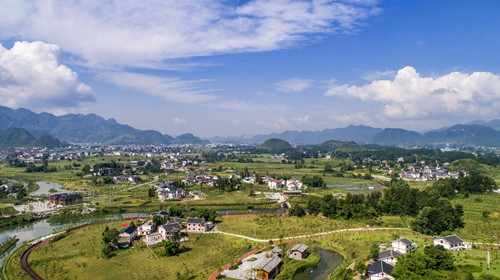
(78,256)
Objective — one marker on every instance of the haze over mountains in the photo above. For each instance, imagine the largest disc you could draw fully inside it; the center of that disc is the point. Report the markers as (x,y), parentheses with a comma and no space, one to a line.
(95,129)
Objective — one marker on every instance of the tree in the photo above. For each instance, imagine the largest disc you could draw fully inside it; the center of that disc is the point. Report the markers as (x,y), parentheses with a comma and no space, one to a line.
(110,241)
(175,211)
(159,220)
(297,210)
(208,215)
(361,267)
(172,246)
(442,258)
(374,250)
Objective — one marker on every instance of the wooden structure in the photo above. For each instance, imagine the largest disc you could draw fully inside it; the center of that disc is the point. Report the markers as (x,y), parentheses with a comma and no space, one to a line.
(268,268)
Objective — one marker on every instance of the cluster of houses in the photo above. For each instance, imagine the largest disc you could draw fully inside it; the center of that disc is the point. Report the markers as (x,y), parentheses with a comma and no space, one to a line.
(290,184)
(430,173)
(206,179)
(154,234)
(382,269)
(166,190)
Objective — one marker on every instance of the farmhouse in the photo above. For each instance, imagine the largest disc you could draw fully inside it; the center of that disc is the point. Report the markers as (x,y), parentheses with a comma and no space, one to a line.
(380,270)
(127,235)
(389,256)
(298,252)
(268,268)
(167,230)
(403,245)
(196,225)
(452,243)
(146,228)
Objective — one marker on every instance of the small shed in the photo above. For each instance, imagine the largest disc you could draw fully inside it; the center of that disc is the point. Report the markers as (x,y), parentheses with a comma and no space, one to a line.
(298,252)
(276,251)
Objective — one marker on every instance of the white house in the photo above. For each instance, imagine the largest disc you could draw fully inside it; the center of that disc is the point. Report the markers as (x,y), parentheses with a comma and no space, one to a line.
(380,270)
(275,184)
(453,243)
(196,225)
(389,256)
(146,228)
(293,184)
(167,230)
(127,235)
(403,245)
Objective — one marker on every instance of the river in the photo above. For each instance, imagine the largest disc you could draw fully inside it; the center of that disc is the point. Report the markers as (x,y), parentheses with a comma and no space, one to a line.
(42,228)
(330,260)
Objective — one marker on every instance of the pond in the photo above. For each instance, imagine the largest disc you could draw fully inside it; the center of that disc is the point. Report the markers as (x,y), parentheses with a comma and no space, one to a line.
(43,227)
(330,260)
(45,186)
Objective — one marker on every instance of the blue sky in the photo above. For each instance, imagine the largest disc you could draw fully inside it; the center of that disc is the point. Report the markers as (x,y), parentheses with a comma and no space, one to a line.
(233,68)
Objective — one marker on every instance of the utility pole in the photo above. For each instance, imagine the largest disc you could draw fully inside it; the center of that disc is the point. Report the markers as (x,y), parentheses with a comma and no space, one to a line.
(488,258)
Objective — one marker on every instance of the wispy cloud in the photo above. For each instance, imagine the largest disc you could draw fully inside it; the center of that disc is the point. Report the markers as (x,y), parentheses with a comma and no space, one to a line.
(379,74)
(31,77)
(294,85)
(169,88)
(146,32)
(178,120)
(410,96)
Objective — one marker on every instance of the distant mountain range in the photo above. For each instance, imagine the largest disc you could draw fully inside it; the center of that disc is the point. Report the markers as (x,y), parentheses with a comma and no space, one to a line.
(86,129)
(483,134)
(95,129)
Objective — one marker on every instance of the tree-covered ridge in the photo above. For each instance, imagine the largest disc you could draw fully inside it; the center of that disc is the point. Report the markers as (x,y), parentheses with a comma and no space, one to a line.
(20,137)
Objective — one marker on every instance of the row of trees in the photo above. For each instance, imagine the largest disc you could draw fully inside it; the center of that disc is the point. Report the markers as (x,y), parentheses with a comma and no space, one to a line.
(431,207)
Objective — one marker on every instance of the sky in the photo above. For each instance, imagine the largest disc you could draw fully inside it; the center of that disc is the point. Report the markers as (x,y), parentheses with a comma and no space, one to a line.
(233,67)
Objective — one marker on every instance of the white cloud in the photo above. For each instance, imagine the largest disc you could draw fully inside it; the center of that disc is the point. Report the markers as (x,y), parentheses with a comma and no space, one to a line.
(169,88)
(31,77)
(302,120)
(412,97)
(178,120)
(143,32)
(294,85)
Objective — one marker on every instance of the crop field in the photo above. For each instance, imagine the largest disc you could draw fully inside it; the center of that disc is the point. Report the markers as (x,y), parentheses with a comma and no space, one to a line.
(479,227)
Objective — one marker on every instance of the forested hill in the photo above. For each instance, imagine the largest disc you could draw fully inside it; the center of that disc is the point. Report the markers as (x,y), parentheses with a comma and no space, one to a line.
(19,137)
(86,129)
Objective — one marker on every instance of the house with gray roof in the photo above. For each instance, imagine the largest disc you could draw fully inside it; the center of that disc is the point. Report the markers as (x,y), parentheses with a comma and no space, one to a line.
(168,230)
(298,252)
(403,245)
(452,243)
(380,270)
(196,225)
(127,235)
(389,256)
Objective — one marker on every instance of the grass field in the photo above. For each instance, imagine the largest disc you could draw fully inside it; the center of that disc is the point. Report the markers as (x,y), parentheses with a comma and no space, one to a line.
(78,256)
